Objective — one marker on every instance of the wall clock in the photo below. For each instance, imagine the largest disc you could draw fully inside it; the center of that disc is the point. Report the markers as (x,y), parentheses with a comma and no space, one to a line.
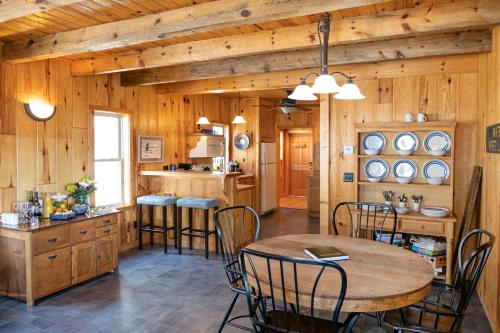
(150,149)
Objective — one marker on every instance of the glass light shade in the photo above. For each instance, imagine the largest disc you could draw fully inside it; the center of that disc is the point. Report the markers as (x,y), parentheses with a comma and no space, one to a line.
(349,91)
(303,93)
(239,120)
(203,121)
(39,111)
(325,84)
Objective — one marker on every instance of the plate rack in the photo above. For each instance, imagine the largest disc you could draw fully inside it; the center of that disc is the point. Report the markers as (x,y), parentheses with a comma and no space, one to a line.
(433,195)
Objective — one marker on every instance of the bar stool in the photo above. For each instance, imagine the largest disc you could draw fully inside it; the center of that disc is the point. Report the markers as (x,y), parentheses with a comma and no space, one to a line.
(196,203)
(153,201)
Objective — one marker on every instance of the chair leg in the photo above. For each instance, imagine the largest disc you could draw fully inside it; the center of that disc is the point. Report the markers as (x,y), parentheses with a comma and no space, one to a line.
(139,224)
(379,318)
(207,235)
(151,224)
(216,235)
(351,321)
(175,226)
(228,312)
(165,231)
(179,228)
(190,228)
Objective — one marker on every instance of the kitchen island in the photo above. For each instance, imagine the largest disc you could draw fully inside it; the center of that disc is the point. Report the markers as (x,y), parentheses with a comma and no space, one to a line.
(222,186)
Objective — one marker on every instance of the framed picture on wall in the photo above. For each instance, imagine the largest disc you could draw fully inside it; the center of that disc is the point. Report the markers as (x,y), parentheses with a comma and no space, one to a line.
(150,149)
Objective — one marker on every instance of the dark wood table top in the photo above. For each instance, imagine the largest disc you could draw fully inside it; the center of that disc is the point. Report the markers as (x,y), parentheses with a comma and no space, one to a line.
(379,276)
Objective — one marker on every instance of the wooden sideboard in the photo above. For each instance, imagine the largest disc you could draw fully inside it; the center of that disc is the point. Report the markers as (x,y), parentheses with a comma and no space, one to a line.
(40,259)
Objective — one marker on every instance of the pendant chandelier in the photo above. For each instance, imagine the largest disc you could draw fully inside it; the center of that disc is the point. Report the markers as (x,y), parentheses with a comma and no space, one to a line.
(325,83)
(238,119)
(202,120)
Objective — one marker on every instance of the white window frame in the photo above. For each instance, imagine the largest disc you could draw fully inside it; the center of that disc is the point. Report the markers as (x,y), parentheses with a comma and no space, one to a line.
(122,152)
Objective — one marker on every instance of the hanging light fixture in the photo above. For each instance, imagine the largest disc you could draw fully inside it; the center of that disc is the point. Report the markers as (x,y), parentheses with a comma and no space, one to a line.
(238,119)
(202,120)
(325,83)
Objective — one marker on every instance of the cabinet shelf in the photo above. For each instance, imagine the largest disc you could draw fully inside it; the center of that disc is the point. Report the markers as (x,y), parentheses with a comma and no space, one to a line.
(427,157)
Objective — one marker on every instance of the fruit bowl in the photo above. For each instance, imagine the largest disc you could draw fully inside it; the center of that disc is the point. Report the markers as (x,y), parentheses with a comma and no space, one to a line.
(63,215)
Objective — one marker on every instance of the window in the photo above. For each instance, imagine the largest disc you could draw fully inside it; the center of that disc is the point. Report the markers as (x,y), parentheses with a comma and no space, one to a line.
(218,162)
(111,163)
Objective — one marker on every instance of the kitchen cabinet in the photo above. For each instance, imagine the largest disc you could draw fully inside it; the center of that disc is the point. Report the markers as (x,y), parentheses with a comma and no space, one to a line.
(53,255)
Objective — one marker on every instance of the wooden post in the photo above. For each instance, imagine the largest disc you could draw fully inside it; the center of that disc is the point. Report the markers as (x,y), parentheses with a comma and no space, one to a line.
(324,164)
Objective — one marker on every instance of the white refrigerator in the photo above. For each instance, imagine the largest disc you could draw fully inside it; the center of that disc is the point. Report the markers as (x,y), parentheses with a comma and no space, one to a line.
(268,183)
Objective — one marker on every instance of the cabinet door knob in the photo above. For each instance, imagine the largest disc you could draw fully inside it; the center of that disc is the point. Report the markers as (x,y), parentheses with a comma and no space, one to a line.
(52,241)
(106,221)
(52,257)
(107,231)
(83,232)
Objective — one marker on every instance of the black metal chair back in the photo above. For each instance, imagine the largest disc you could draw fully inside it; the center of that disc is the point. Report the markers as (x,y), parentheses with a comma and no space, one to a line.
(473,250)
(236,227)
(365,219)
(282,271)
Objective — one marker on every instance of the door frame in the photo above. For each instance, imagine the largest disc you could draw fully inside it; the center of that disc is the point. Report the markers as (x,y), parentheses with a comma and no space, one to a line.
(286,154)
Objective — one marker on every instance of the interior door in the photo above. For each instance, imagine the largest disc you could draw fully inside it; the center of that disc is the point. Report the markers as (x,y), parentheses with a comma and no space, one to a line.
(301,155)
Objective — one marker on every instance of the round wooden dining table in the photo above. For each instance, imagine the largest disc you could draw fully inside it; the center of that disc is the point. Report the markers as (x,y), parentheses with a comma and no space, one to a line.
(380,277)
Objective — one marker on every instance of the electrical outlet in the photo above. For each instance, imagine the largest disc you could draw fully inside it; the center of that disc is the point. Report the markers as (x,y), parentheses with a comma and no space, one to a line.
(348,150)
(348,177)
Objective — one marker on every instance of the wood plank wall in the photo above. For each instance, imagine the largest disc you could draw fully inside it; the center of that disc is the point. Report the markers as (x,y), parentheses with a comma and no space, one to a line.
(468,96)
(46,156)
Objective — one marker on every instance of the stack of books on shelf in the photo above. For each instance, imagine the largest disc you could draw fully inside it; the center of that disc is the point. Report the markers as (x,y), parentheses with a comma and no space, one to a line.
(386,238)
(432,249)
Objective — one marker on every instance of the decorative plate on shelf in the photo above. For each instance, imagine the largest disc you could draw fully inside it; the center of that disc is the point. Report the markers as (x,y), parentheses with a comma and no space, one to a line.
(405,169)
(436,169)
(376,168)
(374,141)
(435,211)
(405,141)
(437,141)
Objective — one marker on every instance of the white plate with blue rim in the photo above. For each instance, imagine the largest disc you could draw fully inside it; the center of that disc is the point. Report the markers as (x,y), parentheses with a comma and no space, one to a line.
(373,143)
(405,143)
(437,143)
(405,169)
(376,168)
(436,169)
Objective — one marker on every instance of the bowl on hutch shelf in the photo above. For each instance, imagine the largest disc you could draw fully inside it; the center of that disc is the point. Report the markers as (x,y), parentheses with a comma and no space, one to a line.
(372,151)
(437,152)
(435,211)
(375,179)
(404,152)
(404,180)
(435,181)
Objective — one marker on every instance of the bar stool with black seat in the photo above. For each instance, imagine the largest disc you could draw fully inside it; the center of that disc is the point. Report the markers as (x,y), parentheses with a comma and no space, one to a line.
(196,203)
(153,201)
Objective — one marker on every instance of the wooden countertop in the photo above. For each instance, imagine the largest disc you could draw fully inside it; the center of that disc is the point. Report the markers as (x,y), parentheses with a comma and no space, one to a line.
(243,187)
(192,174)
(47,223)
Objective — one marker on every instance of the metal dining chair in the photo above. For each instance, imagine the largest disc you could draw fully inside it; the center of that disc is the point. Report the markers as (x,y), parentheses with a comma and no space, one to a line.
(365,219)
(269,303)
(236,227)
(444,311)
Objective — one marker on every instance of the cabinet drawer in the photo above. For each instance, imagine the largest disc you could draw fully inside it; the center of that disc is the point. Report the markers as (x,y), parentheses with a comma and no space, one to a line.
(106,220)
(421,227)
(104,231)
(82,231)
(52,271)
(50,239)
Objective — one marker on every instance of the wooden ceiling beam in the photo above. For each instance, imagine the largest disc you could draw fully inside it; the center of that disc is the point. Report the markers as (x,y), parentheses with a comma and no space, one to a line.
(405,48)
(280,80)
(13,9)
(454,16)
(184,21)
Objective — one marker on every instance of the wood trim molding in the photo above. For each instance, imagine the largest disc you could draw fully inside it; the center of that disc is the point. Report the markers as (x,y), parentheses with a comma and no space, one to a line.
(324,164)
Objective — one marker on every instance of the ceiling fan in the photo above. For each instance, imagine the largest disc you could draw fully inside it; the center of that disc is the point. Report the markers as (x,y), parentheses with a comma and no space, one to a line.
(288,106)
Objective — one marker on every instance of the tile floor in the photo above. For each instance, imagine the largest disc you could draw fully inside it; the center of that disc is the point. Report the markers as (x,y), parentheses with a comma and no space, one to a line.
(154,292)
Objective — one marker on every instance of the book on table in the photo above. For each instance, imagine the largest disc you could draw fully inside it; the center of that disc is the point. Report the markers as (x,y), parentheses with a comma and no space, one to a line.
(326,253)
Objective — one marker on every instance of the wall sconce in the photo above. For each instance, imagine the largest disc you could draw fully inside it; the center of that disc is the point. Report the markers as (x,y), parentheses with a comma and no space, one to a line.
(39,111)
